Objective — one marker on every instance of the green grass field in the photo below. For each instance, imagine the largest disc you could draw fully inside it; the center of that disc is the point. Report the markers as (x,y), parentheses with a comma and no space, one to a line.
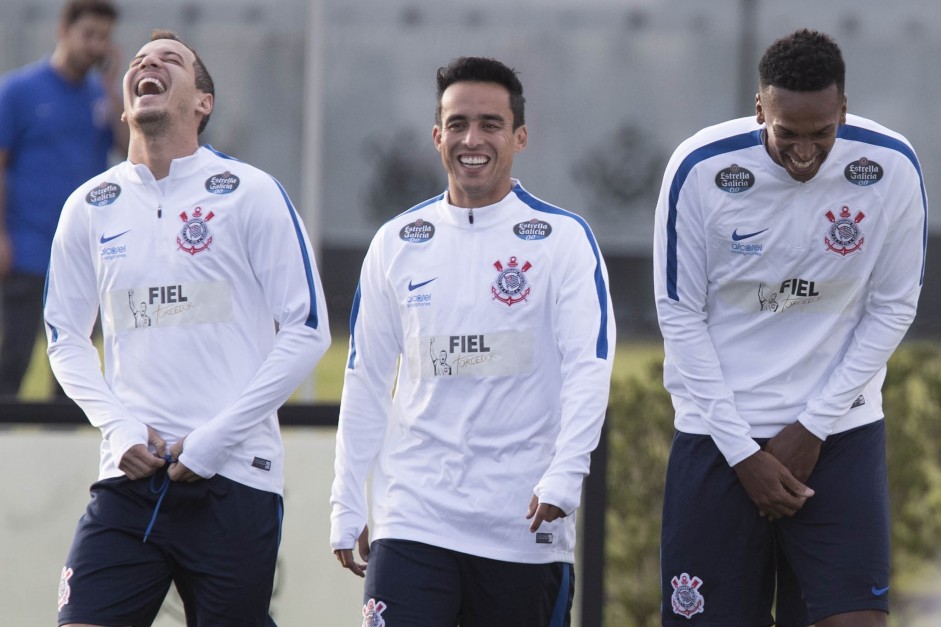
(327,382)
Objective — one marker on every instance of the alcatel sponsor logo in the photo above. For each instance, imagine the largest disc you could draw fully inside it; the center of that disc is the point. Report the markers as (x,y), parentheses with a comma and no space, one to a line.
(417,232)
(748,249)
(114,251)
(104,194)
(421,299)
(735,179)
(863,172)
(418,300)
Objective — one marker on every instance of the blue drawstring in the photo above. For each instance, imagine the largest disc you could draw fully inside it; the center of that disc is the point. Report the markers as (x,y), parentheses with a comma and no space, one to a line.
(162,491)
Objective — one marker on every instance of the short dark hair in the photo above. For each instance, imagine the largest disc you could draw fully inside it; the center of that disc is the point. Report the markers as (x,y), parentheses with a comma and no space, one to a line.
(73,10)
(805,60)
(203,79)
(483,70)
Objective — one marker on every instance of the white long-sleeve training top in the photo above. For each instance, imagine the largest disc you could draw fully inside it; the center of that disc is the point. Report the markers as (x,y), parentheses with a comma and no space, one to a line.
(781,301)
(190,274)
(478,375)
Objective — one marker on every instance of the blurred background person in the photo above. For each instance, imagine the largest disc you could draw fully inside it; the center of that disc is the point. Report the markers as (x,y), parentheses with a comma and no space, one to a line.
(58,121)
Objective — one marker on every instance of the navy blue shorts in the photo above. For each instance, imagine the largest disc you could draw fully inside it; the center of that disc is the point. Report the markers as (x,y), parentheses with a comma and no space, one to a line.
(722,564)
(419,585)
(215,539)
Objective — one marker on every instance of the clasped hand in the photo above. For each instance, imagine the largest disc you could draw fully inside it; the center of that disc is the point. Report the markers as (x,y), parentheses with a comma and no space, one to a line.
(139,462)
(774,477)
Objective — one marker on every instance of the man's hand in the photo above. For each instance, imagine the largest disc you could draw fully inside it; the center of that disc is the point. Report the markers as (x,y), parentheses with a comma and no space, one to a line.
(771,486)
(345,556)
(138,462)
(540,512)
(178,471)
(797,448)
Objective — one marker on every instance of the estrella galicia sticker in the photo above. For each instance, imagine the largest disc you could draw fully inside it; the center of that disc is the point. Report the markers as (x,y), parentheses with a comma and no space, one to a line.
(863,172)
(105,194)
(735,179)
(533,229)
(224,183)
(417,232)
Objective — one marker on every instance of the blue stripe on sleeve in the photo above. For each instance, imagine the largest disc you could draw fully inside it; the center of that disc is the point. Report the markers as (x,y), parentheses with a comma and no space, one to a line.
(312,318)
(354,314)
(601,346)
(867,136)
(728,144)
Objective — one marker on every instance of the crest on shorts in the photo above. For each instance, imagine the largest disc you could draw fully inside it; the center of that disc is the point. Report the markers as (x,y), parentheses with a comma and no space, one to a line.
(511,285)
(844,235)
(686,598)
(372,613)
(194,237)
(65,591)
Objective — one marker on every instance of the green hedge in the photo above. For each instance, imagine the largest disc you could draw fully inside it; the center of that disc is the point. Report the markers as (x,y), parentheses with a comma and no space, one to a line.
(640,427)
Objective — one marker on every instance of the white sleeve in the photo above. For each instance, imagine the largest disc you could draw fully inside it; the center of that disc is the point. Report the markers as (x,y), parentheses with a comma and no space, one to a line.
(70,310)
(894,288)
(680,285)
(366,402)
(585,335)
(283,262)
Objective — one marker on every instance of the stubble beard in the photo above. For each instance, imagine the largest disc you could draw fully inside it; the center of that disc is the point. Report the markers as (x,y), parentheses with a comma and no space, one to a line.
(152,123)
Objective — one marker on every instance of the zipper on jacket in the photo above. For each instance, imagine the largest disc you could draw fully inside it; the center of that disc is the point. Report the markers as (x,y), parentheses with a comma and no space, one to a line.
(159,211)
(470,215)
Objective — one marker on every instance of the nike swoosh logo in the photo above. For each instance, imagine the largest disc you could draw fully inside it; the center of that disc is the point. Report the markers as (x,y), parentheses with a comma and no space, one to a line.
(412,287)
(879,591)
(105,240)
(737,238)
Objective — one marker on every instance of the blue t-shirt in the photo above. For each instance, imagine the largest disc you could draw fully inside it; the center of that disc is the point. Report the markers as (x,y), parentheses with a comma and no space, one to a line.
(58,135)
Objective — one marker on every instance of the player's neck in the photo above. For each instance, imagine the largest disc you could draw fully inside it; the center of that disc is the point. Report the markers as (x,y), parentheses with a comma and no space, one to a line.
(157,153)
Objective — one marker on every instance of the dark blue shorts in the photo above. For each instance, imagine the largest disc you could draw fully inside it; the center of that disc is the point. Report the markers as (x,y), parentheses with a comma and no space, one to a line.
(722,564)
(419,585)
(215,539)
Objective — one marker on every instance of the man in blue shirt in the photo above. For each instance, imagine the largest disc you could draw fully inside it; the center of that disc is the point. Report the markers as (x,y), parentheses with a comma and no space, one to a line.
(58,122)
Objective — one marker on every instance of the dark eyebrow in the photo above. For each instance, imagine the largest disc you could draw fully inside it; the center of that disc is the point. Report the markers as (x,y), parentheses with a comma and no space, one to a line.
(459,117)
(164,54)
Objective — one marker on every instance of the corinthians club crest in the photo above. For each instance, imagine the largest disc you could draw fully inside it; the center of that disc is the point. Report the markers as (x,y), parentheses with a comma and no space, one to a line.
(686,598)
(194,237)
(844,236)
(510,286)
(372,613)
